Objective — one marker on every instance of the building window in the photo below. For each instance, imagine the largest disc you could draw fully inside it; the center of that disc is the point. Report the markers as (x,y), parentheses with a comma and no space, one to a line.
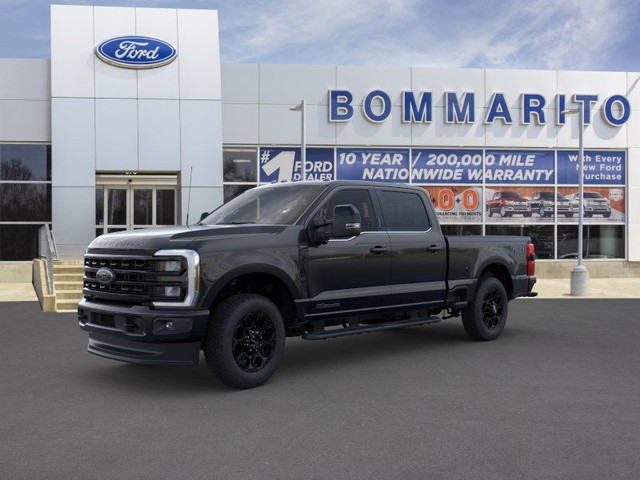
(25,199)
(240,170)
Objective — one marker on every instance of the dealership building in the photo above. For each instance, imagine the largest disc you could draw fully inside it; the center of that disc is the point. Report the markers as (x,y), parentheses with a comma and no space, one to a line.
(134,123)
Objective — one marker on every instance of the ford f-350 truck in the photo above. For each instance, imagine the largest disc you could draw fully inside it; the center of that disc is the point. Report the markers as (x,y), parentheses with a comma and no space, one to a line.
(311,259)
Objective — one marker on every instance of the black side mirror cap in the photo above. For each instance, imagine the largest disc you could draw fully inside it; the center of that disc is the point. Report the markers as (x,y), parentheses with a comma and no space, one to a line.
(204,215)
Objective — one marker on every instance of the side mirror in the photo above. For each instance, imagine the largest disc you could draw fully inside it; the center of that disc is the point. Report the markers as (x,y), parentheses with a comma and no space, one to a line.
(346,221)
(204,215)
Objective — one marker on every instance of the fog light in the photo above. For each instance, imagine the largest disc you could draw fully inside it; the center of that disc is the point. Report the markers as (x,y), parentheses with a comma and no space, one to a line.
(171,325)
(171,291)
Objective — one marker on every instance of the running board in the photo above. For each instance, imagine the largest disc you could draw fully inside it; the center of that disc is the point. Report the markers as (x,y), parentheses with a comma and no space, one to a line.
(321,334)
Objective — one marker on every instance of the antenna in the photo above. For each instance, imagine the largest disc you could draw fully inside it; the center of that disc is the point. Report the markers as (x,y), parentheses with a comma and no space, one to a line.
(189,194)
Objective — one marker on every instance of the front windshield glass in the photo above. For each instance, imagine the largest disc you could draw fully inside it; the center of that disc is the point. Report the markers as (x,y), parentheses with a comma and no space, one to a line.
(511,195)
(592,195)
(269,205)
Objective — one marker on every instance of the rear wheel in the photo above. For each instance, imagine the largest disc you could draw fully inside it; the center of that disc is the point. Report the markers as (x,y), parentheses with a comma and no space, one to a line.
(245,340)
(485,318)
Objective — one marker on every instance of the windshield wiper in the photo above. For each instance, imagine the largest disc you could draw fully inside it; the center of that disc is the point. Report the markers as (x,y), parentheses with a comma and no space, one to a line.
(234,223)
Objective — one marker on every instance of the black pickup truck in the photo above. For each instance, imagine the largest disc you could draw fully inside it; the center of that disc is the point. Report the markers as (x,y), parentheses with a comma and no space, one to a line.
(311,259)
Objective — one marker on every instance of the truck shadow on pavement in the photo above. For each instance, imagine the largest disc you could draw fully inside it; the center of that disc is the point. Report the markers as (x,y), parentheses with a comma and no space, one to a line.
(303,360)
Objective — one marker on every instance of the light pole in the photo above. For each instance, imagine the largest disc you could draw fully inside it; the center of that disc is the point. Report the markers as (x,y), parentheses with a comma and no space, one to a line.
(302,107)
(580,274)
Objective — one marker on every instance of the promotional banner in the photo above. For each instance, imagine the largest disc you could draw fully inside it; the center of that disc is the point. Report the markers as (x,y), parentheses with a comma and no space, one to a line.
(285,165)
(600,204)
(457,204)
(446,166)
(381,165)
(513,204)
(601,167)
(533,167)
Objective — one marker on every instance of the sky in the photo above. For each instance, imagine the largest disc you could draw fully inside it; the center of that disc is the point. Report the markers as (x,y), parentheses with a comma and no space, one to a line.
(531,34)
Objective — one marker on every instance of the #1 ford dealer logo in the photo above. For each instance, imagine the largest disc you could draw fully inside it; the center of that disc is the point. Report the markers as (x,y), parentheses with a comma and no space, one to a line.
(105,276)
(136,52)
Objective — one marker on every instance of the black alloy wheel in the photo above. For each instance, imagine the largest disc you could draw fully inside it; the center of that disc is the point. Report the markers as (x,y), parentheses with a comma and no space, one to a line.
(245,340)
(253,342)
(485,318)
(492,309)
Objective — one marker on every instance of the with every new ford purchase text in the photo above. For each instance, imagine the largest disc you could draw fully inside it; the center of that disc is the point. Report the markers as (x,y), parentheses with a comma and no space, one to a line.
(311,259)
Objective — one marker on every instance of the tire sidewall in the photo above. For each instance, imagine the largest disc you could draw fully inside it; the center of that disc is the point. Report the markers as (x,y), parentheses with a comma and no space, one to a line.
(472,317)
(218,345)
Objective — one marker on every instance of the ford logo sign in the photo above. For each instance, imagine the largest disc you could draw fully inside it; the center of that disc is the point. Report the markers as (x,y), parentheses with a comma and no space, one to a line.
(136,52)
(105,276)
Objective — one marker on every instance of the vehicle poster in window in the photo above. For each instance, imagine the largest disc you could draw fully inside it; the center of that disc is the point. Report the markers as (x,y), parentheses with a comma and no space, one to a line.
(285,165)
(508,204)
(601,167)
(601,205)
(389,165)
(522,167)
(456,203)
(547,204)
(430,165)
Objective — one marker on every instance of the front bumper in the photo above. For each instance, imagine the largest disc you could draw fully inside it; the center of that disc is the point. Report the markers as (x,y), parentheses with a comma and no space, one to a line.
(140,334)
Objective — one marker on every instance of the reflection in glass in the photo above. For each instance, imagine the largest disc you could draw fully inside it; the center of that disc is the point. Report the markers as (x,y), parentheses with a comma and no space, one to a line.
(99,206)
(599,241)
(232,191)
(143,207)
(25,202)
(18,242)
(239,164)
(165,207)
(541,236)
(462,229)
(25,162)
(117,206)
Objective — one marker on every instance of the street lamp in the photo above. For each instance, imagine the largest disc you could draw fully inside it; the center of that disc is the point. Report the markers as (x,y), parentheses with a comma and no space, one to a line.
(580,274)
(302,107)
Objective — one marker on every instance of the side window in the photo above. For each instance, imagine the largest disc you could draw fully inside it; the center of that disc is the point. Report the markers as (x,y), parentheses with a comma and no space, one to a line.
(404,211)
(359,199)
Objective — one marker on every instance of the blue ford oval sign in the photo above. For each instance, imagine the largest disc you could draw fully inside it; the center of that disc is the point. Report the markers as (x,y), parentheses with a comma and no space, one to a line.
(136,52)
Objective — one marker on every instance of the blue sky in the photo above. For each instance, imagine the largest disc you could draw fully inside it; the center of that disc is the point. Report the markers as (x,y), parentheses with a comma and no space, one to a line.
(532,34)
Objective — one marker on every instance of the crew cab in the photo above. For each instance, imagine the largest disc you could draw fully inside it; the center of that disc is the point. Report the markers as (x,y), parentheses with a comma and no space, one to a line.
(507,204)
(312,259)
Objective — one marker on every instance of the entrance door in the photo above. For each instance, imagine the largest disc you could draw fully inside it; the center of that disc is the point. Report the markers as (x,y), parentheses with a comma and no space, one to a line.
(127,202)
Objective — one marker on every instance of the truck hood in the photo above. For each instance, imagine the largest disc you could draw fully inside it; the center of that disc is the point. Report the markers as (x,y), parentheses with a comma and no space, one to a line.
(149,240)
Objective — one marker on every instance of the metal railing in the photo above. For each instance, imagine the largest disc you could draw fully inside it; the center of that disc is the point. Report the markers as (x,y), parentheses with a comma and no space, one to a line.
(47,250)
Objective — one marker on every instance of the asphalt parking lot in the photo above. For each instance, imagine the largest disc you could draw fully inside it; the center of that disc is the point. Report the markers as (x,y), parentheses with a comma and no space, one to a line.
(557,396)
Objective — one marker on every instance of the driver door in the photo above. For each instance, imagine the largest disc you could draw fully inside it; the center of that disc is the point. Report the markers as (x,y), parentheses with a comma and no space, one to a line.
(350,274)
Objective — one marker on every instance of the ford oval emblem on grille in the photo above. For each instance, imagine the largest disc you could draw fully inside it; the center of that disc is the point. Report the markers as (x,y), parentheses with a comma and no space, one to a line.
(136,52)
(105,276)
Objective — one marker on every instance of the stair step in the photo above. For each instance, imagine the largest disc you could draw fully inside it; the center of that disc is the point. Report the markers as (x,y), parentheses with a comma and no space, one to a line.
(376,327)
(68,277)
(69,295)
(68,305)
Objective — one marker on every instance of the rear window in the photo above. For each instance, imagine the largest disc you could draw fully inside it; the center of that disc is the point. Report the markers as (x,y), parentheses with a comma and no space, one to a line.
(404,211)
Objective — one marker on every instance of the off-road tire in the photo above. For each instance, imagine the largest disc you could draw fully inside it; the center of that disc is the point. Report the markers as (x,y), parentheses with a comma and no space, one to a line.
(245,340)
(485,318)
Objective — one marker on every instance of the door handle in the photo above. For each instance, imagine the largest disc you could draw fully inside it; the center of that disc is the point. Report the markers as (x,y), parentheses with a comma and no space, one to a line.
(433,248)
(378,250)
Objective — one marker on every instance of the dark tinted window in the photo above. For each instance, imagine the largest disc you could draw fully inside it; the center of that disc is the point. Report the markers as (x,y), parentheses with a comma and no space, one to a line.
(26,163)
(239,164)
(18,242)
(403,211)
(511,195)
(25,202)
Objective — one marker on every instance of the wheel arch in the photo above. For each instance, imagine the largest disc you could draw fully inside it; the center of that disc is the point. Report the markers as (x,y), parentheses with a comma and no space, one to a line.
(263,280)
(499,271)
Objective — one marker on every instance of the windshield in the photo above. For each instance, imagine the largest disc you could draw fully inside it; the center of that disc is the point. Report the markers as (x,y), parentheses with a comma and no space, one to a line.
(592,195)
(511,195)
(266,205)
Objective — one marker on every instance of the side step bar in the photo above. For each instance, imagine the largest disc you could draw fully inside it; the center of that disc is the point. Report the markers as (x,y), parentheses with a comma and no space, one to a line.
(321,334)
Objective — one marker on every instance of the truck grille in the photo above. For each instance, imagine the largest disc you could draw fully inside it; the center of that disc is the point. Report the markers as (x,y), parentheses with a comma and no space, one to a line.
(127,279)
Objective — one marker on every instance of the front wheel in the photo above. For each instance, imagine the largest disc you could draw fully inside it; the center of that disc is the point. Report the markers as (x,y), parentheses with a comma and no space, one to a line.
(245,340)
(485,318)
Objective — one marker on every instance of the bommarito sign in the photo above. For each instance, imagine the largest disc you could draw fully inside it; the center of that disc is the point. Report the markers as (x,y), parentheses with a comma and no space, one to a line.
(459,108)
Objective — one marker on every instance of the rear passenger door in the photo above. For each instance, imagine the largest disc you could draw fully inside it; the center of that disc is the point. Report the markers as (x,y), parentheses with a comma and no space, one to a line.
(418,250)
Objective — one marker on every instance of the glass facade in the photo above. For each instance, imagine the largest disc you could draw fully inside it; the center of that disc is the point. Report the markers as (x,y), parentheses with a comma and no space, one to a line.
(474,191)
(25,198)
